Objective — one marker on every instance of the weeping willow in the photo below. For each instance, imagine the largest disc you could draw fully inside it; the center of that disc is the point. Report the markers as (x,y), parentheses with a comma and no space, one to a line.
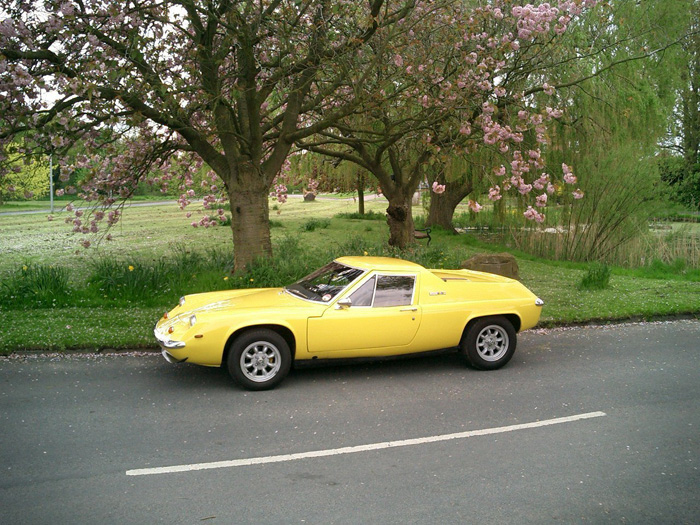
(610,134)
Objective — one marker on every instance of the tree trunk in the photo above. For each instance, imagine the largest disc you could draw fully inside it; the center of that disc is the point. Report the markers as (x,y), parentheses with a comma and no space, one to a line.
(400,220)
(360,193)
(251,226)
(442,210)
(443,205)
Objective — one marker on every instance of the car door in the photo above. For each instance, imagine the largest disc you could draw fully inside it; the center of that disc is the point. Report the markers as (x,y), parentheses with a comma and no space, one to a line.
(383,314)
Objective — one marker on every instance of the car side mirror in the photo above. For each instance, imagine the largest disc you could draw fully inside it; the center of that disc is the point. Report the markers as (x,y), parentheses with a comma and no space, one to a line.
(345,302)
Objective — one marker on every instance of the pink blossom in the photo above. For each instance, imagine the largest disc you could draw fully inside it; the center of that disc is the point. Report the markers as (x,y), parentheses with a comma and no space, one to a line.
(113,217)
(578,194)
(569,177)
(533,215)
(524,189)
(548,89)
(398,60)
(475,206)
(438,188)
(541,200)
(553,113)
(495,193)
(280,193)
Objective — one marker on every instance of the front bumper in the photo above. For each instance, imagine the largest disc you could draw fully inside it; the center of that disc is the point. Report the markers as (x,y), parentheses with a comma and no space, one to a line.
(165,342)
(170,358)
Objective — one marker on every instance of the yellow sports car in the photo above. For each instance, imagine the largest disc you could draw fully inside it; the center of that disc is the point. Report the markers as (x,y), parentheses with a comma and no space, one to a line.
(352,307)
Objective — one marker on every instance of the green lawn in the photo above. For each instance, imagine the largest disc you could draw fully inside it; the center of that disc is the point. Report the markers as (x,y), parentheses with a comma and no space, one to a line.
(148,234)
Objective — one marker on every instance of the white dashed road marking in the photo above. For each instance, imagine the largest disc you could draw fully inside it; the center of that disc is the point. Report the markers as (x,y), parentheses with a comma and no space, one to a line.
(359,448)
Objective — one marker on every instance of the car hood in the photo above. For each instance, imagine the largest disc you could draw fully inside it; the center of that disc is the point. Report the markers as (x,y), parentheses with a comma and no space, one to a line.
(211,302)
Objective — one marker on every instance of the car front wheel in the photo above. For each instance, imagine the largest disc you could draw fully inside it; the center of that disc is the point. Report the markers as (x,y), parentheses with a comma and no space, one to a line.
(489,343)
(259,359)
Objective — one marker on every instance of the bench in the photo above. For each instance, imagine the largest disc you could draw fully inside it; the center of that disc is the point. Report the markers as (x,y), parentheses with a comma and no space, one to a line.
(422,233)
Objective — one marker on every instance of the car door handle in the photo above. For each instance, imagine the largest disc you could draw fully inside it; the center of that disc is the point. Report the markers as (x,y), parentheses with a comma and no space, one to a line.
(408,310)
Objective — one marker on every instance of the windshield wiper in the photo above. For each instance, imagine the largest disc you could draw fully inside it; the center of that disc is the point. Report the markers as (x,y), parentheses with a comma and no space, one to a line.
(296,292)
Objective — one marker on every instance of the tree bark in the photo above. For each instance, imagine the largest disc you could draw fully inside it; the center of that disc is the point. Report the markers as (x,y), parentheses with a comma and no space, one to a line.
(360,193)
(400,220)
(250,225)
(441,211)
(443,205)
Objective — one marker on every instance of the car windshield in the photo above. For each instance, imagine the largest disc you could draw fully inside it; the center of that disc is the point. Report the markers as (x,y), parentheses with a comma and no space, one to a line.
(325,283)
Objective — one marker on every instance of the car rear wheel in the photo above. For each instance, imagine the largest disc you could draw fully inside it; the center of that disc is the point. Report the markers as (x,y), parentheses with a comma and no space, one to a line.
(259,359)
(489,343)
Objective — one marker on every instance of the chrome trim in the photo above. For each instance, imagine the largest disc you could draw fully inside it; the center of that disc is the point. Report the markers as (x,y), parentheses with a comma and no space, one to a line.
(167,343)
(170,358)
(539,302)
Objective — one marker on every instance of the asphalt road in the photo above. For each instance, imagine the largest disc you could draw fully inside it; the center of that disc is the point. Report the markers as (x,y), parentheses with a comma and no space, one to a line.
(78,432)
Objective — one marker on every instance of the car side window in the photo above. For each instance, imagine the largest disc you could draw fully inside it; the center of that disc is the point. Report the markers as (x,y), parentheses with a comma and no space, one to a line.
(364,294)
(394,290)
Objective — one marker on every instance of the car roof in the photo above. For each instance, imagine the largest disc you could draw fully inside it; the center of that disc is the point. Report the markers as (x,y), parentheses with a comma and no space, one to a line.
(380,263)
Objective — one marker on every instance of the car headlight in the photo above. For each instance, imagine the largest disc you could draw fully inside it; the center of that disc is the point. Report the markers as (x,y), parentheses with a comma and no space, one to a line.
(193,320)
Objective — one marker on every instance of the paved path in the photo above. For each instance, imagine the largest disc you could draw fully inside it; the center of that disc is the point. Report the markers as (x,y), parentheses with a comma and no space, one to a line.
(137,204)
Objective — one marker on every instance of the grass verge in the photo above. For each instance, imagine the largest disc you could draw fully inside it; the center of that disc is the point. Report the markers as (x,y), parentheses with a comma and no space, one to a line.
(113,295)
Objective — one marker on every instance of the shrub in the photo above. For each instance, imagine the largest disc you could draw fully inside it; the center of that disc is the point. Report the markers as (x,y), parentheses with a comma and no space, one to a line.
(313,224)
(367,216)
(597,277)
(117,279)
(38,285)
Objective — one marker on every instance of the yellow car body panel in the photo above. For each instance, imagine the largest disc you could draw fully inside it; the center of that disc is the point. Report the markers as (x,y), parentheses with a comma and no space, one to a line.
(442,304)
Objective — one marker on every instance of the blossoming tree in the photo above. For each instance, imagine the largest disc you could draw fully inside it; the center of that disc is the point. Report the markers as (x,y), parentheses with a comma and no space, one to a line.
(151,89)
(458,81)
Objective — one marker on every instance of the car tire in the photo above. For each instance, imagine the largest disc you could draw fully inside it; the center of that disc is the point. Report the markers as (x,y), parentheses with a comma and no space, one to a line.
(489,343)
(259,359)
